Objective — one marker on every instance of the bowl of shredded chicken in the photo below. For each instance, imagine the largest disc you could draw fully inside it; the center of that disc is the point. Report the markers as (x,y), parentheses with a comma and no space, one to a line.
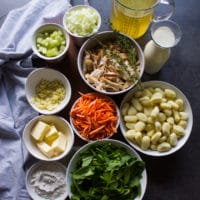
(111,62)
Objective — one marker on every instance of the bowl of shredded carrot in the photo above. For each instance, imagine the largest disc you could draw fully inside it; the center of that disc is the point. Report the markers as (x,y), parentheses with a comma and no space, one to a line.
(94,116)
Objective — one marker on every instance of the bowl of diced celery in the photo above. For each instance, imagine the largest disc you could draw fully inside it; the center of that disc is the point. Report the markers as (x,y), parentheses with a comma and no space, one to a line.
(81,22)
(50,42)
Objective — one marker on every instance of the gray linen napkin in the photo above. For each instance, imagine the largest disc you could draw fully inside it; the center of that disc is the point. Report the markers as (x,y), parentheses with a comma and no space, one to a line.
(15,112)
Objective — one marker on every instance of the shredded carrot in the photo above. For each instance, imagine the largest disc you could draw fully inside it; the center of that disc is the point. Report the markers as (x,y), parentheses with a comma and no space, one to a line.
(94,116)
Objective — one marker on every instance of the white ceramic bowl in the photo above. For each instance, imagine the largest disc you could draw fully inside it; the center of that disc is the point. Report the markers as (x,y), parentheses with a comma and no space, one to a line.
(77,132)
(93,43)
(42,167)
(33,80)
(50,27)
(61,125)
(73,162)
(187,108)
(79,39)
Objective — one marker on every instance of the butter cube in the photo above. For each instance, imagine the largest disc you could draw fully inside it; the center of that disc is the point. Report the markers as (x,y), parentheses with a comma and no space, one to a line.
(59,144)
(45,149)
(51,135)
(39,130)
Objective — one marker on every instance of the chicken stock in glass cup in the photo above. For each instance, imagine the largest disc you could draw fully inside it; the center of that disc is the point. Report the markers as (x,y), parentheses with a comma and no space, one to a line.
(133,17)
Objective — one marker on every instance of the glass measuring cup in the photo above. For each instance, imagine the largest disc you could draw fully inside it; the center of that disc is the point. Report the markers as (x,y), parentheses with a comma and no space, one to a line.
(133,17)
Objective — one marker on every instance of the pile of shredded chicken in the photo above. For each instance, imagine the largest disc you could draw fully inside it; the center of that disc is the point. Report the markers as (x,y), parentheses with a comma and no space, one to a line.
(108,68)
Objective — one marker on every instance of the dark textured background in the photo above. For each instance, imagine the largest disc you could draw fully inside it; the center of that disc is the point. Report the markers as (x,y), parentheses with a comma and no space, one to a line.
(175,177)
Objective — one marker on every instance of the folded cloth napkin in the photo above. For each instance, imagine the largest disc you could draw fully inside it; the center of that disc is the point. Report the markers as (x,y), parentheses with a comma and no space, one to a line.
(15,112)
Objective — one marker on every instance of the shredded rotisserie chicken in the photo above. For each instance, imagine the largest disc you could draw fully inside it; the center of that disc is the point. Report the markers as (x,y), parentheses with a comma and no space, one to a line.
(108,68)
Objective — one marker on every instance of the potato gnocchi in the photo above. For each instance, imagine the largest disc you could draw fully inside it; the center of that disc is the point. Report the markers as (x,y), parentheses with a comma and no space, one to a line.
(155,119)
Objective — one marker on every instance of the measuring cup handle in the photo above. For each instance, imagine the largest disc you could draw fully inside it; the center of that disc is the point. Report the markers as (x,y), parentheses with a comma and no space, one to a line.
(170,3)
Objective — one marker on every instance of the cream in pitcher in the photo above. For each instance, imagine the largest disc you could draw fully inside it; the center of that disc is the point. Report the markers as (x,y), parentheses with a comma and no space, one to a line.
(133,17)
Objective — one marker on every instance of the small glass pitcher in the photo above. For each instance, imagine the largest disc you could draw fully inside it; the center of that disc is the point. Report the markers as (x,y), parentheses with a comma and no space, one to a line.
(133,17)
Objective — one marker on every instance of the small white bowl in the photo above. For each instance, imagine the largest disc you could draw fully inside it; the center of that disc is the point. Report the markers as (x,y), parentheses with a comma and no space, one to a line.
(39,74)
(40,168)
(60,123)
(187,108)
(100,39)
(77,132)
(50,27)
(79,39)
(73,162)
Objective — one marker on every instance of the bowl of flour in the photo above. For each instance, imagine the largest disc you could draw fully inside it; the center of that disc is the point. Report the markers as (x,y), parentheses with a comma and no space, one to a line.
(46,180)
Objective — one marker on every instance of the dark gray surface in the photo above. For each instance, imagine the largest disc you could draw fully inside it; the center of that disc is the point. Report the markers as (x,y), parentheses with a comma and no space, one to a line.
(175,177)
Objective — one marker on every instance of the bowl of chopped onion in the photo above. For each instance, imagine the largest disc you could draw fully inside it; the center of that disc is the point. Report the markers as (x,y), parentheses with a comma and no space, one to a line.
(81,22)
(48,91)
(50,42)
(110,62)
(94,116)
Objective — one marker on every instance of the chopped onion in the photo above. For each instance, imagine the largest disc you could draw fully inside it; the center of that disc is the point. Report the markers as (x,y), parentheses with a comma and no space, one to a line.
(82,21)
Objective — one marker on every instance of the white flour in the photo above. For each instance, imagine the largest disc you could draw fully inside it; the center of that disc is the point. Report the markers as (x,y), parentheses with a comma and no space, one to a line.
(49,181)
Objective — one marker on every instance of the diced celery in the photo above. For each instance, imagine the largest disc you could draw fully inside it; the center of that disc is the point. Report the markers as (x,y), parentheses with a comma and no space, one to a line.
(52,52)
(50,43)
(39,40)
(53,43)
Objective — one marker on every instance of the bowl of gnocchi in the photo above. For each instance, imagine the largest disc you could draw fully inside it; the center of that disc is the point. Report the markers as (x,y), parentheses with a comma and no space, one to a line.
(156,118)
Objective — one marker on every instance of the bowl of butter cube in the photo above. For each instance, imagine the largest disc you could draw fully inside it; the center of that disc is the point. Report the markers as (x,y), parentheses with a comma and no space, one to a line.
(48,137)
(156,118)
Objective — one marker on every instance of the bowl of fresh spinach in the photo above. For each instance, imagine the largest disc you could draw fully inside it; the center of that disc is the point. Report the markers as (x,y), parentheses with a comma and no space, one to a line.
(106,170)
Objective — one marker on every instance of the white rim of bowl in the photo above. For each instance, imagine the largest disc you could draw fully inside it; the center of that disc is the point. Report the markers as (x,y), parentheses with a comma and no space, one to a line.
(116,143)
(189,125)
(33,168)
(57,26)
(76,7)
(79,63)
(56,110)
(46,159)
(77,132)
